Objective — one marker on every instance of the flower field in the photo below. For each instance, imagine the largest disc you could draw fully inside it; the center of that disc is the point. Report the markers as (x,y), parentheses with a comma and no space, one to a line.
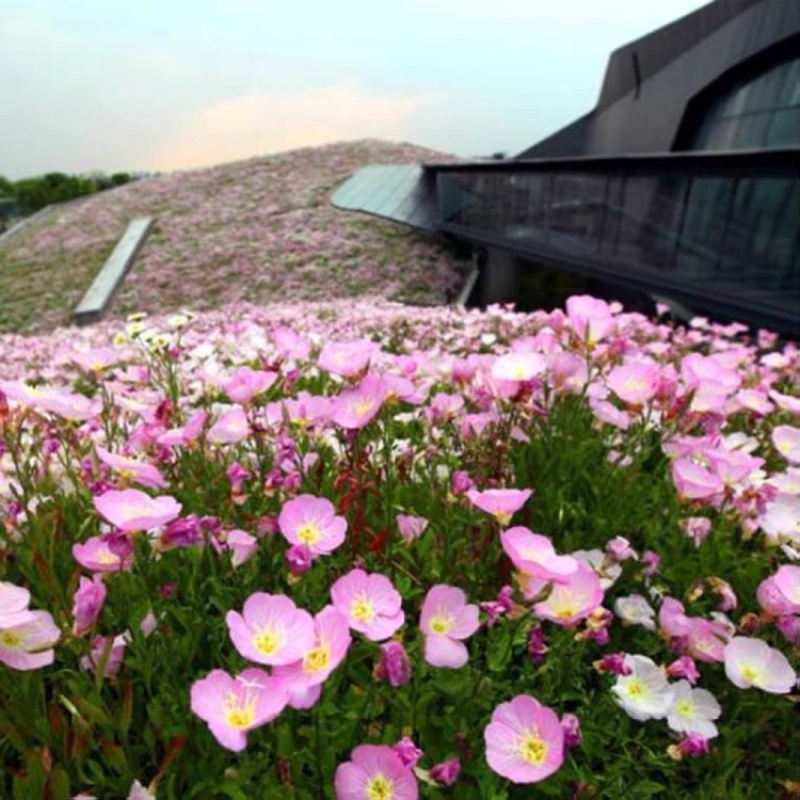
(362,550)
(259,230)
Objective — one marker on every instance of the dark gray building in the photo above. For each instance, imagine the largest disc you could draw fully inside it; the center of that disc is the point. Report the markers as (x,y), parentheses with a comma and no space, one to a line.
(681,185)
(724,77)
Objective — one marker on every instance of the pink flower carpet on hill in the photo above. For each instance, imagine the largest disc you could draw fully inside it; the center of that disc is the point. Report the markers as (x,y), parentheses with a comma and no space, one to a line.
(259,230)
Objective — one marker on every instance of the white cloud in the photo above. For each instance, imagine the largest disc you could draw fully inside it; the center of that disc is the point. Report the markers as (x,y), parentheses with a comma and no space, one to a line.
(261,123)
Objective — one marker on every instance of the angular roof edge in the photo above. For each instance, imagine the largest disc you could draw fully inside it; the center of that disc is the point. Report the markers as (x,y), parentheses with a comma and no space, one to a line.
(638,60)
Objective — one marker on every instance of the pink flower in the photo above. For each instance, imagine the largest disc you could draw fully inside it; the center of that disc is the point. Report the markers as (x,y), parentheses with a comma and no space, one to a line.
(87,603)
(524,740)
(394,665)
(104,554)
(14,602)
(188,433)
(347,359)
(787,582)
(446,772)
(705,639)
(246,382)
(634,383)
(53,399)
(242,546)
(271,629)
(619,549)
(518,366)
(409,753)
(312,521)
(591,318)
(684,667)
(231,426)
(571,726)
(298,559)
(572,600)
(234,706)
(500,503)
(692,744)
(787,442)
(375,772)
(131,510)
(106,652)
(534,554)
(410,527)
(128,468)
(29,644)
(752,662)
(319,658)
(446,620)
(694,482)
(370,604)
(354,408)
(696,528)
(672,618)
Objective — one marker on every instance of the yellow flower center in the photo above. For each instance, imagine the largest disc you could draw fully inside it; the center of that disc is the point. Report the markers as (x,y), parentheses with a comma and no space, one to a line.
(10,639)
(239,712)
(439,624)
(316,659)
(105,556)
(361,609)
(267,641)
(635,688)
(379,787)
(750,674)
(565,610)
(363,406)
(532,749)
(308,533)
(685,708)
(518,372)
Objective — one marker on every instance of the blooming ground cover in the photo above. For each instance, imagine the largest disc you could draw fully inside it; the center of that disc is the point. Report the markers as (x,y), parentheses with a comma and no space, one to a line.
(259,230)
(362,550)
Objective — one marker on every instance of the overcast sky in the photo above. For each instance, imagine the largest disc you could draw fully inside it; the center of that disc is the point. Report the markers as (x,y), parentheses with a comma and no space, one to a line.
(166,84)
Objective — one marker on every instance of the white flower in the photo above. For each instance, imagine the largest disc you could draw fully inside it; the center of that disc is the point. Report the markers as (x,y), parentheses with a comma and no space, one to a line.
(138,792)
(635,610)
(645,693)
(752,662)
(607,570)
(692,711)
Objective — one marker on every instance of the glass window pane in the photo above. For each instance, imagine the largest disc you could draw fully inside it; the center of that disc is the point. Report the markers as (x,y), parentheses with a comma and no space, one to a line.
(762,112)
(784,129)
(789,94)
(751,131)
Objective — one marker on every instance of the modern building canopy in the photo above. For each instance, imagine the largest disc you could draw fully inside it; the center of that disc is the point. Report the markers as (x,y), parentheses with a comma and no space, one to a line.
(682,184)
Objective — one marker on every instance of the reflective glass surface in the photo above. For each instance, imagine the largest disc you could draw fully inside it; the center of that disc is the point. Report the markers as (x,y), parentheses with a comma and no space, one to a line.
(733,230)
(763,111)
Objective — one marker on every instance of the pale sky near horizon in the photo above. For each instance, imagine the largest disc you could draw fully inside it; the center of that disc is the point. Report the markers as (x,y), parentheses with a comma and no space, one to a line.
(160,86)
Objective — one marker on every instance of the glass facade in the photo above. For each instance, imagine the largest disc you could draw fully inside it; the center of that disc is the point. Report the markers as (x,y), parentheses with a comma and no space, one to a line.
(763,111)
(724,230)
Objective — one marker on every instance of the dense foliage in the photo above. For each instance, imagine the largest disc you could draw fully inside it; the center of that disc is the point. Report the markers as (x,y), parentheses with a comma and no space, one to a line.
(37,192)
